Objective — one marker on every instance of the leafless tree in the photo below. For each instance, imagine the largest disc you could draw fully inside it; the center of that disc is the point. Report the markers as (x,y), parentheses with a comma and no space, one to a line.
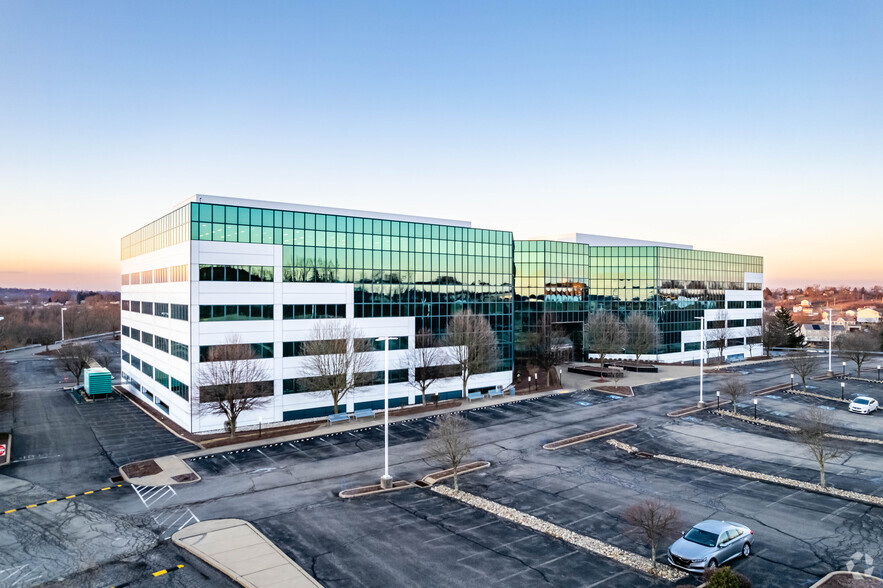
(75,358)
(857,347)
(544,344)
(753,338)
(813,432)
(472,345)
(717,337)
(232,381)
(449,442)
(653,521)
(642,334)
(803,364)
(735,388)
(604,333)
(425,361)
(337,360)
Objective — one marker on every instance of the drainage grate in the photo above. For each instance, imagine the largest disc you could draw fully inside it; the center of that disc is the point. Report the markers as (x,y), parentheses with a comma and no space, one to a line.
(116,479)
(421,483)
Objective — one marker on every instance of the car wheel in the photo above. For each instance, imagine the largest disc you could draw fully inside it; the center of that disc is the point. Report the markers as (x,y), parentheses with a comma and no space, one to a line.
(746,550)
(712,565)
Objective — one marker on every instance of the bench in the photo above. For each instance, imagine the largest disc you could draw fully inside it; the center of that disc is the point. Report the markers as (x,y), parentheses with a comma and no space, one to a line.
(337,418)
(494,392)
(474,396)
(364,413)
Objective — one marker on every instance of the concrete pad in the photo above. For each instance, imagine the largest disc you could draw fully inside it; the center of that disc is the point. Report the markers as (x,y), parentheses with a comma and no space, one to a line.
(172,466)
(239,550)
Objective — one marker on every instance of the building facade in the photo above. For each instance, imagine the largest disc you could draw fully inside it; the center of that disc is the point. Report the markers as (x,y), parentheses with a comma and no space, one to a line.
(568,278)
(218,270)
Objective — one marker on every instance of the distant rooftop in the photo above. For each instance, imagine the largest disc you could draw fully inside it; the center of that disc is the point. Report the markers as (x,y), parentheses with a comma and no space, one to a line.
(227,201)
(605,241)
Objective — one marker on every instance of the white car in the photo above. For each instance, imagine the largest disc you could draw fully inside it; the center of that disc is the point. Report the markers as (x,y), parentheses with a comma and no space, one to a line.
(863,405)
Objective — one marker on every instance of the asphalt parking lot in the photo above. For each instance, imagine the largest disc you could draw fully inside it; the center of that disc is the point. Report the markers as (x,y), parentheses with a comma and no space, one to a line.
(289,491)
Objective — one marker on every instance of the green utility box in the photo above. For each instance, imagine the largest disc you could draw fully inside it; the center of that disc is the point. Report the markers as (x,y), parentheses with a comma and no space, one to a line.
(97,381)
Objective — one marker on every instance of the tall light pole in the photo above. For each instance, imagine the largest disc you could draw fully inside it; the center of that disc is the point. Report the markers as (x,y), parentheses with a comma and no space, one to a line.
(62,323)
(385,479)
(701,359)
(830,340)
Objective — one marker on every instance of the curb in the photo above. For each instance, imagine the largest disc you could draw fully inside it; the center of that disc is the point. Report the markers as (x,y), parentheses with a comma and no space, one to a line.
(590,436)
(821,583)
(360,491)
(435,477)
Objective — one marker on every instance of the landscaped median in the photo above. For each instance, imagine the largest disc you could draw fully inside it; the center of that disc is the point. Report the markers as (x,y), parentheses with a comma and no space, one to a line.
(588,436)
(791,429)
(633,560)
(800,485)
(814,395)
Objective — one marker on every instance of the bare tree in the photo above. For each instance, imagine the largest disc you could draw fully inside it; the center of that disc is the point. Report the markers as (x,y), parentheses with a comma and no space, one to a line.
(75,358)
(233,380)
(735,388)
(803,364)
(449,442)
(472,345)
(642,334)
(717,337)
(604,333)
(544,344)
(813,432)
(857,347)
(653,520)
(753,338)
(425,361)
(337,360)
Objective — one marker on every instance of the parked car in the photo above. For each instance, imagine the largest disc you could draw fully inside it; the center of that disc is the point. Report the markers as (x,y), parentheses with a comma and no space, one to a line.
(863,405)
(710,544)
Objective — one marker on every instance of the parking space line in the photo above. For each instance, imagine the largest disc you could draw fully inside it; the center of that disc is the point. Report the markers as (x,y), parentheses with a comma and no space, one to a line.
(53,500)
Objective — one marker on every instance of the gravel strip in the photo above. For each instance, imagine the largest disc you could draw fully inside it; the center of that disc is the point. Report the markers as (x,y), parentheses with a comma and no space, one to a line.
(803,393)
(791,429)
(846,494)
(633,560)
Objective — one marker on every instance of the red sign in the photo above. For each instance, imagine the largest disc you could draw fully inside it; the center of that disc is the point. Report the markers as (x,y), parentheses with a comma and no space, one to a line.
(2,450)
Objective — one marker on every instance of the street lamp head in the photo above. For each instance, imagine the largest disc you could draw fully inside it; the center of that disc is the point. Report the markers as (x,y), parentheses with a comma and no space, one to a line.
(755,402)
(718,393)
(843,384)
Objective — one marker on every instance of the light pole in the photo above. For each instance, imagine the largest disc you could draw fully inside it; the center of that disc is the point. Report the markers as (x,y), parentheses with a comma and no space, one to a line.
(792,381)
(755,409)
(260,426)
(701,359)
(385,479)
(528,383)
(830,340)
(62,323)
(878,372)
(718,399)
(842,390)
(560,383)
(844,369)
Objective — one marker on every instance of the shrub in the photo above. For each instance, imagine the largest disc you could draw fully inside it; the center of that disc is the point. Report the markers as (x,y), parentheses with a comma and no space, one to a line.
(725,578)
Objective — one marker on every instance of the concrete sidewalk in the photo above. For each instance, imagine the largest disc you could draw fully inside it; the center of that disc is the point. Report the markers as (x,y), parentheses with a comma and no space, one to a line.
(237,549)
(173,471)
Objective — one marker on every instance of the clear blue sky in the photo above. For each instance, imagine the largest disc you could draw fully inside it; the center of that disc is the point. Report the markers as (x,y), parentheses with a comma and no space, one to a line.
(752,127)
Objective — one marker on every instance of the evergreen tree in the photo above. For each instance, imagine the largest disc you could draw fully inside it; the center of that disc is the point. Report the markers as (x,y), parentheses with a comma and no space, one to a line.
(793,338)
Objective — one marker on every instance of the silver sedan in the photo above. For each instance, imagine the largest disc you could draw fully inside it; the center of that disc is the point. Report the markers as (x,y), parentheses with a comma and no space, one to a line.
(710,544)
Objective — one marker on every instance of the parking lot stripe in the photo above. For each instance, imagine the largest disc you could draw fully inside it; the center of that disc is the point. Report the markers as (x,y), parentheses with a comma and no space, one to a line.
(72,496)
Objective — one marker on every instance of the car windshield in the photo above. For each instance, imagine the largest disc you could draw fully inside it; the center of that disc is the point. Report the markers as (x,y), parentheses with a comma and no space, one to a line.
(701,537)
(861,401)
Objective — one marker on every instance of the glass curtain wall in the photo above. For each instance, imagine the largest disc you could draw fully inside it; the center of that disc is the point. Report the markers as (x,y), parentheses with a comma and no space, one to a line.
(398,268)
(672,286)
